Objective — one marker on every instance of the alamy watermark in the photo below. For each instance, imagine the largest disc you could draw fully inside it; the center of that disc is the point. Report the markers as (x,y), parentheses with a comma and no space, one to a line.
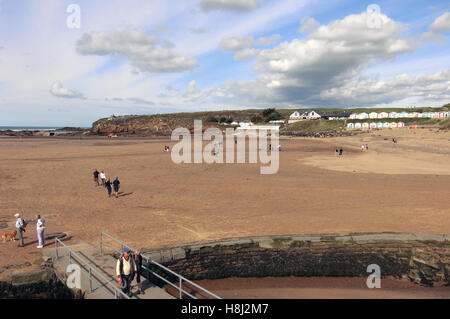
(374,279)
(74,19)
(260,148)
(374,19)
(73,272)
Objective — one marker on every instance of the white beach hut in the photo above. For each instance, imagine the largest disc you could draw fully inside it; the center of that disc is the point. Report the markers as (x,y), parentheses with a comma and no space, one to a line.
(379,125)
(373,125)
(393,115)
(400,124)
(404,114)
(386,125)
(373,115)
(350,126)
(365,126)
(358,125)
(393,125)
(384,115)
(363,116)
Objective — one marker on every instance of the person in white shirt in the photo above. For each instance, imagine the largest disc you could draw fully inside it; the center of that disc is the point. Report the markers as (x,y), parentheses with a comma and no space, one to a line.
(20,228)
(125,271)
(40,226)
(103,177)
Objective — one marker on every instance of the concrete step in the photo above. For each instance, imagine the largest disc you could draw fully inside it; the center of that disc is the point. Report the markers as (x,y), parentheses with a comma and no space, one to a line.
(105,265)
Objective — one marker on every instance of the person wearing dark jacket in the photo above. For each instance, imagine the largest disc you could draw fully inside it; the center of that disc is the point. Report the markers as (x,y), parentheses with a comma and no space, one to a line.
(138,263)
(116,184)
(108,187)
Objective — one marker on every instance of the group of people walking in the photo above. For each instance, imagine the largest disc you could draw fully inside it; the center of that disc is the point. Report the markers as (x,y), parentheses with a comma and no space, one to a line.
(129,267)
(107,182)
(21,225)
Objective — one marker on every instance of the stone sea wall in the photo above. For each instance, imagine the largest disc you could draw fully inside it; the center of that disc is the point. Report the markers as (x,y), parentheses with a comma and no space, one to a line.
(422,258)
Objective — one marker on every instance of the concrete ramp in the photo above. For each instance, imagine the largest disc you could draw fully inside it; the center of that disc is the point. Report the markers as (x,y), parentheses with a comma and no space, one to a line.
(103,278)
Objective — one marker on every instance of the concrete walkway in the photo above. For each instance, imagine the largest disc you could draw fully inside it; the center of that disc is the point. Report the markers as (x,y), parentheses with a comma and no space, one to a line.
(104,265)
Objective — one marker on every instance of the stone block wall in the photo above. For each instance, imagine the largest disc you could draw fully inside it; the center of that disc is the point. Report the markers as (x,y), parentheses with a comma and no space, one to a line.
(422,258)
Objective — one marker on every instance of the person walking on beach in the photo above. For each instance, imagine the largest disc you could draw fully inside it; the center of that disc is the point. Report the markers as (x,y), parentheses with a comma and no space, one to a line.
(20,226)
(341,151)
(108,187)
(362,147)
(367,147)
(40,226)
(116,184)
(125,271)
(138,262)
(336,152)
(96,173)
(103,178)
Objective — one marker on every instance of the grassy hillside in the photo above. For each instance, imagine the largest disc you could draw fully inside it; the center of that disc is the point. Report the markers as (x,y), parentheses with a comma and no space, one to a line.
(312,127)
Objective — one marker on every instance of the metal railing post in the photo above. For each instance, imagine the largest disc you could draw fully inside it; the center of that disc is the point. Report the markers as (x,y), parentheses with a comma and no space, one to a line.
(101,243)
(181,289)
(90,280)
(56,247)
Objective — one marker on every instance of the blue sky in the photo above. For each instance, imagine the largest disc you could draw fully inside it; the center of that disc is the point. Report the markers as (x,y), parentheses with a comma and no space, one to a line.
(145,57)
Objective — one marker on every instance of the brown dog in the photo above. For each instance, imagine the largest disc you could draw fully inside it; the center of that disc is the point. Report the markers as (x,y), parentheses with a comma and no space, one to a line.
(10,236)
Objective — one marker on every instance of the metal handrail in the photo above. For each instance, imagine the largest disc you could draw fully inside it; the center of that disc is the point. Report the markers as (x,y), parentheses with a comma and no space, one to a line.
(72,253)
(149,271)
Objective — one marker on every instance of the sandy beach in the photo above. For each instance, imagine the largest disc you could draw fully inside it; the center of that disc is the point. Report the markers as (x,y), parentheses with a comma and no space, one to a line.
(389,188)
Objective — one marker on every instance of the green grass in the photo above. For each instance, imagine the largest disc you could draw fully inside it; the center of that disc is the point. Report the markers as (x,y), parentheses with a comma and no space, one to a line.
(316,126)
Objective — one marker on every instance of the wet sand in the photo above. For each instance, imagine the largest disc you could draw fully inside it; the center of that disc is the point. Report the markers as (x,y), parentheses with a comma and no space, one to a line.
(320,288)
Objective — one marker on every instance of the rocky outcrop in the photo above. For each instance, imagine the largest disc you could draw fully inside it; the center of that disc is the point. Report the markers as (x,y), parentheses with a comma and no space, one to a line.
(424,259)
(163,124)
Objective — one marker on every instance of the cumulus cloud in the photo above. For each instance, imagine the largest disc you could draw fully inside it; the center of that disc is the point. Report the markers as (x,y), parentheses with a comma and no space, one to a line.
(269,40)
(146,53)
(233,5)
(199,30)
(58,90)
(236,43)
(435,86)
(246,54)
(308,24)
(442,23)
(330,57)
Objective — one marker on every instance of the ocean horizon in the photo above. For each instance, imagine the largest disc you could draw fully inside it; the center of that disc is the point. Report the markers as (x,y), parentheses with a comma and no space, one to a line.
(33,128)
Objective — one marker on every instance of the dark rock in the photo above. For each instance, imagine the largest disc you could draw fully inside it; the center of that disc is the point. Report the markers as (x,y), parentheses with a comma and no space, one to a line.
(37,275)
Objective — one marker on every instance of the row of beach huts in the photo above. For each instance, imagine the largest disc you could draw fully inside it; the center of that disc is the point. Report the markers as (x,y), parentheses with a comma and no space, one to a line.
(316,115)
(398,115)
(375,125)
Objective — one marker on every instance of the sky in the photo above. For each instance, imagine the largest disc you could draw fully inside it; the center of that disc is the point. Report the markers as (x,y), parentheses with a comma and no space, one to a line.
(69,63)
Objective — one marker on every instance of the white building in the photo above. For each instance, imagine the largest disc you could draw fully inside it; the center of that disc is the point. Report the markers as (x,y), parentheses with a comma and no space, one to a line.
(373,115)
(363,116)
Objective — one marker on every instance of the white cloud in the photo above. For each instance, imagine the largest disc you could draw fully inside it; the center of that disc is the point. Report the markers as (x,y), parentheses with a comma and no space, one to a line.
(199,30)
(234,5)
(58,90)
(236,43)
(147,53)
(330,57)
(442,23)
(269,40)
(246,54)
(308,24)
(435,86)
